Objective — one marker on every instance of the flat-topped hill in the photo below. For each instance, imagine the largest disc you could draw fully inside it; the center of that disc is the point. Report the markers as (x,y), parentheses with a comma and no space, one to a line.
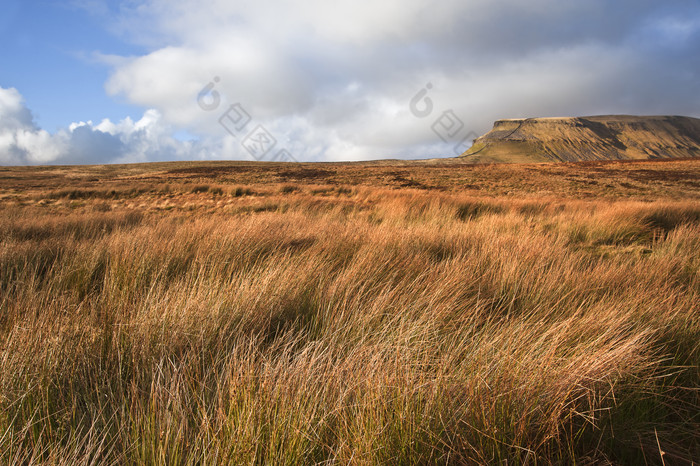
(612,137)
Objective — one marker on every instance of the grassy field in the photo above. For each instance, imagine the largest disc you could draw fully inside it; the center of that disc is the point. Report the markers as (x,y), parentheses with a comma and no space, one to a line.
(387,313)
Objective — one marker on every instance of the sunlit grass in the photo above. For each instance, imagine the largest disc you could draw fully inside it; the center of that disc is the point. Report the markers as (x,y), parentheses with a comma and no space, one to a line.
(287,324)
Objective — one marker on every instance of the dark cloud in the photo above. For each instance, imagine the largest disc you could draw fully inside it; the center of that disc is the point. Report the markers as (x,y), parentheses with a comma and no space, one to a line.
(91,146)
(333,80)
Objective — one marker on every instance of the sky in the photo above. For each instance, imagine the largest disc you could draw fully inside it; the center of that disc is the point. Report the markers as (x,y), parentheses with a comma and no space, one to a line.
(100,81)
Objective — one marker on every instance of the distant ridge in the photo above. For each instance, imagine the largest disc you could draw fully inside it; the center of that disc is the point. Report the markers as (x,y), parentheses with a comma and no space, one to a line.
(571,139)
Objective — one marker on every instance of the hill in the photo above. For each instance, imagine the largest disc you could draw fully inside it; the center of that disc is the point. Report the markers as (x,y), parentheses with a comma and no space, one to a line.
(619,137)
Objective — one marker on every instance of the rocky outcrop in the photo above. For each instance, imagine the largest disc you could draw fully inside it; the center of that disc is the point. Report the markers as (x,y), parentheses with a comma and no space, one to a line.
(619,137)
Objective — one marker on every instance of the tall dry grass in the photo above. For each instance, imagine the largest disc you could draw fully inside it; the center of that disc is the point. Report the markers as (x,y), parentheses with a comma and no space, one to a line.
(367,327)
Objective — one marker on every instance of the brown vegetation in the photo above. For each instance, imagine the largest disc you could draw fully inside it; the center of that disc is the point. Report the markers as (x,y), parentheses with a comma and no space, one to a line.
(612,137)
(287,314)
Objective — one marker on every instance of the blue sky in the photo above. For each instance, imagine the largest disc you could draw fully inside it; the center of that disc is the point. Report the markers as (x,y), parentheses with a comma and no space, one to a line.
(47,54)
(94,81)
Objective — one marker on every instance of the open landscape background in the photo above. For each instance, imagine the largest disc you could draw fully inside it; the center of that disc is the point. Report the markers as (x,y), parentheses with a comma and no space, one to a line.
(393,313)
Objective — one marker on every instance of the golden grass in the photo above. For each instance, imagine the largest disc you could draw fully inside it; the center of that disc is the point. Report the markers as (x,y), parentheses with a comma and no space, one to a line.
(303,322)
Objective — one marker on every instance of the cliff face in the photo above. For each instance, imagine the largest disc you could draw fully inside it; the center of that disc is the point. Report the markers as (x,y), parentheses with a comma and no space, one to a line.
(588,138)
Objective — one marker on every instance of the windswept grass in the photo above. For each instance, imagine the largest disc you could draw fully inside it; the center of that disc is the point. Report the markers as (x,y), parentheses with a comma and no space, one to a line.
(362,326)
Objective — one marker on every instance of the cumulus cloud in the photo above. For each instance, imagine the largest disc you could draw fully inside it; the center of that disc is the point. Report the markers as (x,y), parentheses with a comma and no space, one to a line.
(336,77)
(13,114)
(21,141)
(147,139)
(333,80)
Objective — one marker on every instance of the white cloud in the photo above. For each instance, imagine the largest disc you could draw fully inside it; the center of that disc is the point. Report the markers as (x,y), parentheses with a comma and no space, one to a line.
(336,77)
(333,80)
(147,139)
(20,140)
(13,114)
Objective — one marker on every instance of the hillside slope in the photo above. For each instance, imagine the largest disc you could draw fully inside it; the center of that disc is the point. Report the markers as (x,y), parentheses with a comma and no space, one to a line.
(618,137)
